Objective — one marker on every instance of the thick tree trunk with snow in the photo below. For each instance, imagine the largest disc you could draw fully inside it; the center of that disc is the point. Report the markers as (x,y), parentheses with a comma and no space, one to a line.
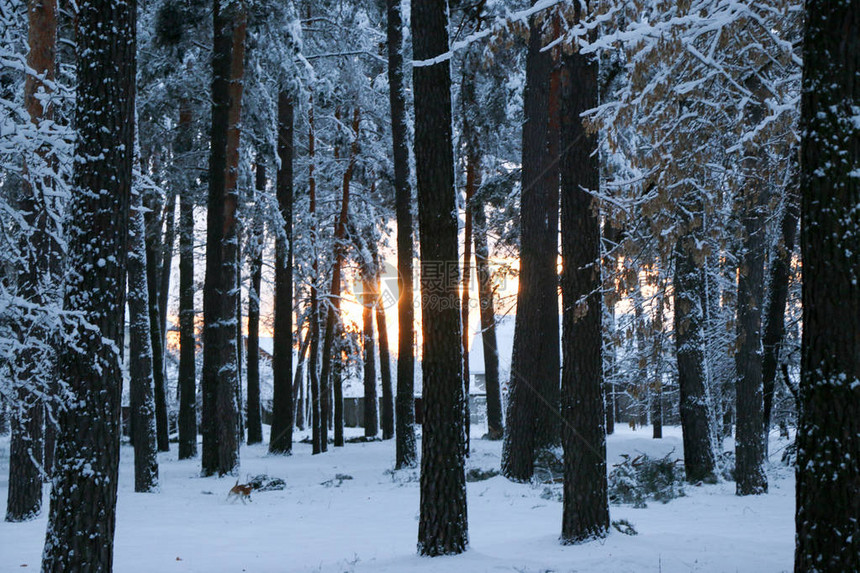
(406,453)
(254,421)
(220,356)
(828,437)
(533,406)
(750,433)
(142,391)
(586,505)
(689,316)
(442,525)
(83,498)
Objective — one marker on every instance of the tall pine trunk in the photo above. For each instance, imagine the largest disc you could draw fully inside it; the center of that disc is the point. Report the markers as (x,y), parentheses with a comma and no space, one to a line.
(153,258)
(333,303)
(828,436)
(495,428)
(313,363)
(142,391)
(187,381)
(220,357)
(406,453)
(166,263)
(281,440)
(24,496)
(82,516)
(586,505)
(254,421)
(443,524)
(533,407)
(774,314)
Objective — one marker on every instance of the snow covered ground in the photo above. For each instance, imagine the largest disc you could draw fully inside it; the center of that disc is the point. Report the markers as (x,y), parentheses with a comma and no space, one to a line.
(369,523)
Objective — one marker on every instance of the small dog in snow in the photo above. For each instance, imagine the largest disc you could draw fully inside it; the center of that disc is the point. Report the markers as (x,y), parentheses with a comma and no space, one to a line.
(240,491)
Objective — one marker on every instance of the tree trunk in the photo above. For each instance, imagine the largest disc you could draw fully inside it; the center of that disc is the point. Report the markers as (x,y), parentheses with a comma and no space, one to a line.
(166,263)
(495,429)
(774,317)
(254,421)
(586,505)
(533,412)
(657,359)
(371,402)
(384,363)
(24,496)
(153,258)
(281,440)
(828,436)
(187,343)
(443,524)
(142,391)
(298,381)
(750,433)
(406,454)
(464,295)
(220,366)
(83,503)
(334,292)
(316,436)
(695,425)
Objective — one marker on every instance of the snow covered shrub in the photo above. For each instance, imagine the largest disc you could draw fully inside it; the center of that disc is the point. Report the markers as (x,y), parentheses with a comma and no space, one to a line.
(640,479)
(549,466)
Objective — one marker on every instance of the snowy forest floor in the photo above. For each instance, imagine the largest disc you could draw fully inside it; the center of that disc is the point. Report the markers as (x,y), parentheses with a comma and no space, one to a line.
(320,523)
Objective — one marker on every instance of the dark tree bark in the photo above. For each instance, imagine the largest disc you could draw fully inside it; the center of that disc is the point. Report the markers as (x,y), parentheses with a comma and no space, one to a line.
(142,391)
(471,185)
(443,525)
(406,454)
(689,316)
(187,381)
(384,363)
(371,401)
(533,406)
(750,434)
(333,303)
(657,359)
(828,436)
(220,357)
(586,505)
(774,317)
(83,503)
(252,406)
(24,496)
(166,263)
(495,429)
(299,404)
(314,319)
(337,391)
(153,258)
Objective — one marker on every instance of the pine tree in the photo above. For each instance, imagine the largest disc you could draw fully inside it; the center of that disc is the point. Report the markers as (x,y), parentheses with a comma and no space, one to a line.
(142,391)
(24,496)
(83,503)
(281,439)
(828,436)
(187,381)
(586,505)
(533,407)
(255,255)
(443,525)
(405,402)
